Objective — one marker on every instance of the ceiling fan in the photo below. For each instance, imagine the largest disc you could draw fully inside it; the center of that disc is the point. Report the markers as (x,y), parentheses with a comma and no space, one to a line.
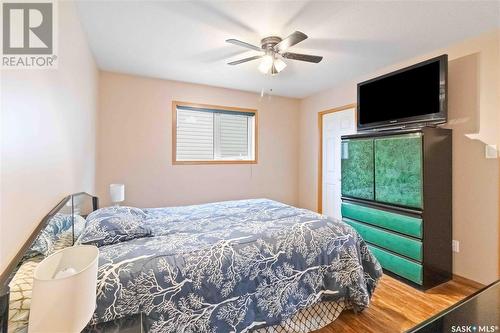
(273,49)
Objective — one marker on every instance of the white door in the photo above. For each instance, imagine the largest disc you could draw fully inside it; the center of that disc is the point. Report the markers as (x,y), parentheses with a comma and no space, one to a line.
(335,125)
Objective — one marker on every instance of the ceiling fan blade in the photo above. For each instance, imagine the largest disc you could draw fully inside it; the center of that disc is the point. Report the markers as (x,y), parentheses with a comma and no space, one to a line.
(302,57)
(240,43)
(237,62)
(291,40)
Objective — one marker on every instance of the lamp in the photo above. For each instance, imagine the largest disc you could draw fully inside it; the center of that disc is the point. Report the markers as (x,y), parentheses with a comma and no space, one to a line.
(64,291)
(117,193)
(271,64)
(278,66)
(266,64)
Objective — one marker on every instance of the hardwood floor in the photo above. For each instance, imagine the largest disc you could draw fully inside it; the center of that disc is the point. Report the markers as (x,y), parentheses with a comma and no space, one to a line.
(397,307)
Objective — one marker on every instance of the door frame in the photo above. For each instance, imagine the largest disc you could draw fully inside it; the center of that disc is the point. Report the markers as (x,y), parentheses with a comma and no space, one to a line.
(320,151)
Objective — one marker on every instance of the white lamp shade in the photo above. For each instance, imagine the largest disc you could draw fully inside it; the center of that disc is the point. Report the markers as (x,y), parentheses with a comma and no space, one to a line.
(279,65)
(117,192)
(266,64)
(64,304)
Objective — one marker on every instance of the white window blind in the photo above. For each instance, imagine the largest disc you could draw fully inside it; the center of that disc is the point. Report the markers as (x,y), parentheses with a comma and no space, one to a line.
(195,139)
(206,134)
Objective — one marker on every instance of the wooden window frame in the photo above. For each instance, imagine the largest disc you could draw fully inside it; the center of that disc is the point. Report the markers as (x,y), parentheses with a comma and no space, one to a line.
(175,104)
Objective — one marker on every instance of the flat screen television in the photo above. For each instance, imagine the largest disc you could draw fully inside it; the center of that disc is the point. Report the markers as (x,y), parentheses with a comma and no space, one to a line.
(411,96)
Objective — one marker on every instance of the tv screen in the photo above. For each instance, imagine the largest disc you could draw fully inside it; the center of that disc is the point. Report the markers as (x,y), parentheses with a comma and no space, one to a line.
(416,95)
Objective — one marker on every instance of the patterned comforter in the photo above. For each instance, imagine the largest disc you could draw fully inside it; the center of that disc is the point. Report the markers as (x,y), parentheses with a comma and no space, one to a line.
(231,267)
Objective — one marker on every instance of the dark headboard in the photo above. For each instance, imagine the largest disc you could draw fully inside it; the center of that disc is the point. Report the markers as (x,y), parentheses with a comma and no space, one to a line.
(69,203)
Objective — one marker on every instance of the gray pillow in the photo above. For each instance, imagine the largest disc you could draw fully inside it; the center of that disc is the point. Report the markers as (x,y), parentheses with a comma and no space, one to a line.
(112,225)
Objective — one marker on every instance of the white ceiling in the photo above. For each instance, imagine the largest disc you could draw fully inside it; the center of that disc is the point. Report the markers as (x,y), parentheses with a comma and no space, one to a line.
(185,40)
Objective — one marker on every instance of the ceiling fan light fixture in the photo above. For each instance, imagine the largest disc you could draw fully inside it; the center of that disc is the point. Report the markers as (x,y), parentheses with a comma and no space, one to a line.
(279,65)
(273,50)
(273,70)
(266,64)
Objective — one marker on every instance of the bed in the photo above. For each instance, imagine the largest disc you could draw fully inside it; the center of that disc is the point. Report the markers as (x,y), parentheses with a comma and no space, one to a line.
(234,266)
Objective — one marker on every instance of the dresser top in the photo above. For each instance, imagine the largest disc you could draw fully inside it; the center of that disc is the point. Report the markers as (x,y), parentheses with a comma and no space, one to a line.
(381,133)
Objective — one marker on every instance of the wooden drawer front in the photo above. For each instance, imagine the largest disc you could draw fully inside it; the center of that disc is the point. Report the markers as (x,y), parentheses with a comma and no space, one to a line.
(400,244)
(411,226)
(398,265)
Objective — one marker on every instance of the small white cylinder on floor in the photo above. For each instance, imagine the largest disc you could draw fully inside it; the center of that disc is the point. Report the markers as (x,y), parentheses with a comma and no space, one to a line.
(64,291)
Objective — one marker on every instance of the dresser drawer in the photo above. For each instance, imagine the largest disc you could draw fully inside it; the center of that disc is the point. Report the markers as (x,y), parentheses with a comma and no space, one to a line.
(398,265)
(404,224)
(400,244)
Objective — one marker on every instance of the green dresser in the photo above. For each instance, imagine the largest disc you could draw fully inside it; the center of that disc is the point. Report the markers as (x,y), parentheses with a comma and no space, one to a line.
(396,193)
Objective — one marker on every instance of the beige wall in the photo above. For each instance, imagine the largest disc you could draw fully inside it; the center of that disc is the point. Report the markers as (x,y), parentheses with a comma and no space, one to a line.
(474,104)
(134,145)
(47,135)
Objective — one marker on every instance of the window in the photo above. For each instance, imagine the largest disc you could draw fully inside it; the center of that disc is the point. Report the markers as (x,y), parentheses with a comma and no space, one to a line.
(204,134)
